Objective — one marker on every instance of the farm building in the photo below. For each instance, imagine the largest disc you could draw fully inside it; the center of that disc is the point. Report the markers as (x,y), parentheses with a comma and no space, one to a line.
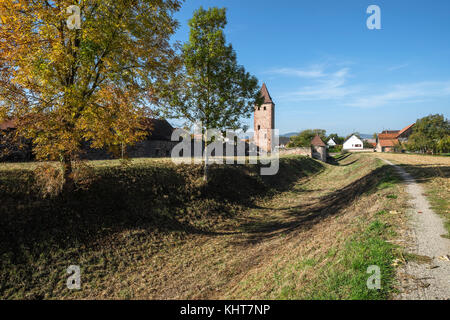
(156,144)
(389,140)
(353,143)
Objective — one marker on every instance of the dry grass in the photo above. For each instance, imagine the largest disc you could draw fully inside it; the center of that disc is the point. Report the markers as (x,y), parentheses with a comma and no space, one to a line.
(286,246)
(282,248)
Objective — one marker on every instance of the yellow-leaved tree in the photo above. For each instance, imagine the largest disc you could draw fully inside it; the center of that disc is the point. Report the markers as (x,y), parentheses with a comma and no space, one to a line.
(86,70)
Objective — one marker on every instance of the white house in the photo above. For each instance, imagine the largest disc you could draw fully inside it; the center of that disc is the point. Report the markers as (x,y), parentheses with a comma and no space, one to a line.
(331,143)
(353,143)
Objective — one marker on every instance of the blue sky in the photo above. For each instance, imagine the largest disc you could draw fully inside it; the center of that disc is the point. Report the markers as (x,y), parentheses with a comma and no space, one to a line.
(325,69)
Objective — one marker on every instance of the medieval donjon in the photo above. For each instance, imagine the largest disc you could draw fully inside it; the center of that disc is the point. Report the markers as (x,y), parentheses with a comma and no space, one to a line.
(264,122)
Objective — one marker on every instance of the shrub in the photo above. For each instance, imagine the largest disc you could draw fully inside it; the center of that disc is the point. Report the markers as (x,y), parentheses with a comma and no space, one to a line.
(48,180)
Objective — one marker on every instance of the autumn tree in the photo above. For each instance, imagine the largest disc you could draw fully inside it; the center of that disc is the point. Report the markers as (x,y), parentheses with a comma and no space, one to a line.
(214,90)
(64,85)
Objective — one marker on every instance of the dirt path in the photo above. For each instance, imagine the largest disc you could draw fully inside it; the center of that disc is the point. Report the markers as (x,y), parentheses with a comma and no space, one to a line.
(430,278)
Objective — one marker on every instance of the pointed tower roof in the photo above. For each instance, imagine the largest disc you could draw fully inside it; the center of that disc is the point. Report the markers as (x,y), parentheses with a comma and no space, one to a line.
(265,94)
(317,141)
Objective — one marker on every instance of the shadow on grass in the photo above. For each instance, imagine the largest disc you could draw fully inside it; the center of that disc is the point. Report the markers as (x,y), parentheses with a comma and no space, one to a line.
(336,160)
(155,199)
(424,173)
(304,216)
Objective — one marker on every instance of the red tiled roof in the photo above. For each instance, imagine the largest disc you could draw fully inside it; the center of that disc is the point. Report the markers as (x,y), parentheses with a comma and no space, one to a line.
(388,142)
(405,129)
(317,141)
(384,136)
(393,134)
(266,95)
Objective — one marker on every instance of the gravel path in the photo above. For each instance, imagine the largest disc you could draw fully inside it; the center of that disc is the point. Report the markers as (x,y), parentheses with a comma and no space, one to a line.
(429,278)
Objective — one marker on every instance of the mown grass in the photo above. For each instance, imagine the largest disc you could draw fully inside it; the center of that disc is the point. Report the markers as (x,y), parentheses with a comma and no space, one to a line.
(345,277)
(128,214)
(155,230)
(329,260)
(349,279)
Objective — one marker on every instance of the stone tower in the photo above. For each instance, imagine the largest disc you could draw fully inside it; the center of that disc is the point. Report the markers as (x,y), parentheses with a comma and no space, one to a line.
(264,122)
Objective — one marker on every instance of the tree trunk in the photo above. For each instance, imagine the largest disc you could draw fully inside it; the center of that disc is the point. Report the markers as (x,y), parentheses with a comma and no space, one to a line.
(205,170)
(69,183)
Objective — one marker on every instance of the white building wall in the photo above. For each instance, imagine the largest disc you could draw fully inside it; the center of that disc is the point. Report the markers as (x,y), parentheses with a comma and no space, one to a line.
(353,143)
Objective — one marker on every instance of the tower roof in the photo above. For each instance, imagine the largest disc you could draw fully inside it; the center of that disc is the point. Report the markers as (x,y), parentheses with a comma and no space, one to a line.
(317,141)
(266,95)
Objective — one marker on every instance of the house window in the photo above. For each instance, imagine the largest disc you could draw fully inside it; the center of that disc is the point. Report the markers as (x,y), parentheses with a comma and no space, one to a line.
(264,108)
(259,127)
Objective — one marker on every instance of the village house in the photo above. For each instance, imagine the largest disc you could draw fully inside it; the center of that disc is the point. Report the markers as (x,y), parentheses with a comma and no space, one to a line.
(331,143)
(390,140)
(353,143)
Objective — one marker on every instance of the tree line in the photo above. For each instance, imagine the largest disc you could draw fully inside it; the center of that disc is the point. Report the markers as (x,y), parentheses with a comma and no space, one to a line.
(430,134)
(303,139)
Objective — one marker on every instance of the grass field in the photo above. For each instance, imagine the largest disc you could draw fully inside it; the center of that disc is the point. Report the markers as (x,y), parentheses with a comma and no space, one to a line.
(154,230)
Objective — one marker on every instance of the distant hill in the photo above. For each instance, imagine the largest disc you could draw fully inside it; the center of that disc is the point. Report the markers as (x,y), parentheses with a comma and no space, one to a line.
(284,140)
(289,134)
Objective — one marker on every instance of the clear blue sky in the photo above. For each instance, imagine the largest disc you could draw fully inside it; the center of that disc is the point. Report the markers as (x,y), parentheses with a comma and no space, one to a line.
(325,69)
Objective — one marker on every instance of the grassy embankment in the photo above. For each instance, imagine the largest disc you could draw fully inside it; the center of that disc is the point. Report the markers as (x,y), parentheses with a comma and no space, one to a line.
(155,230)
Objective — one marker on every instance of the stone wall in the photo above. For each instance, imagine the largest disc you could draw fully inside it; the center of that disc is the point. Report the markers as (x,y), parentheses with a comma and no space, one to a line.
(363,150)
(319,153)
(152,149)
(316,152)
(296,151)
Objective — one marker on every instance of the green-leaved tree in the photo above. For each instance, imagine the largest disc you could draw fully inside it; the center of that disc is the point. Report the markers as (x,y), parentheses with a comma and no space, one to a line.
(428,133)
(303,139)
(336,138)
(214,90)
